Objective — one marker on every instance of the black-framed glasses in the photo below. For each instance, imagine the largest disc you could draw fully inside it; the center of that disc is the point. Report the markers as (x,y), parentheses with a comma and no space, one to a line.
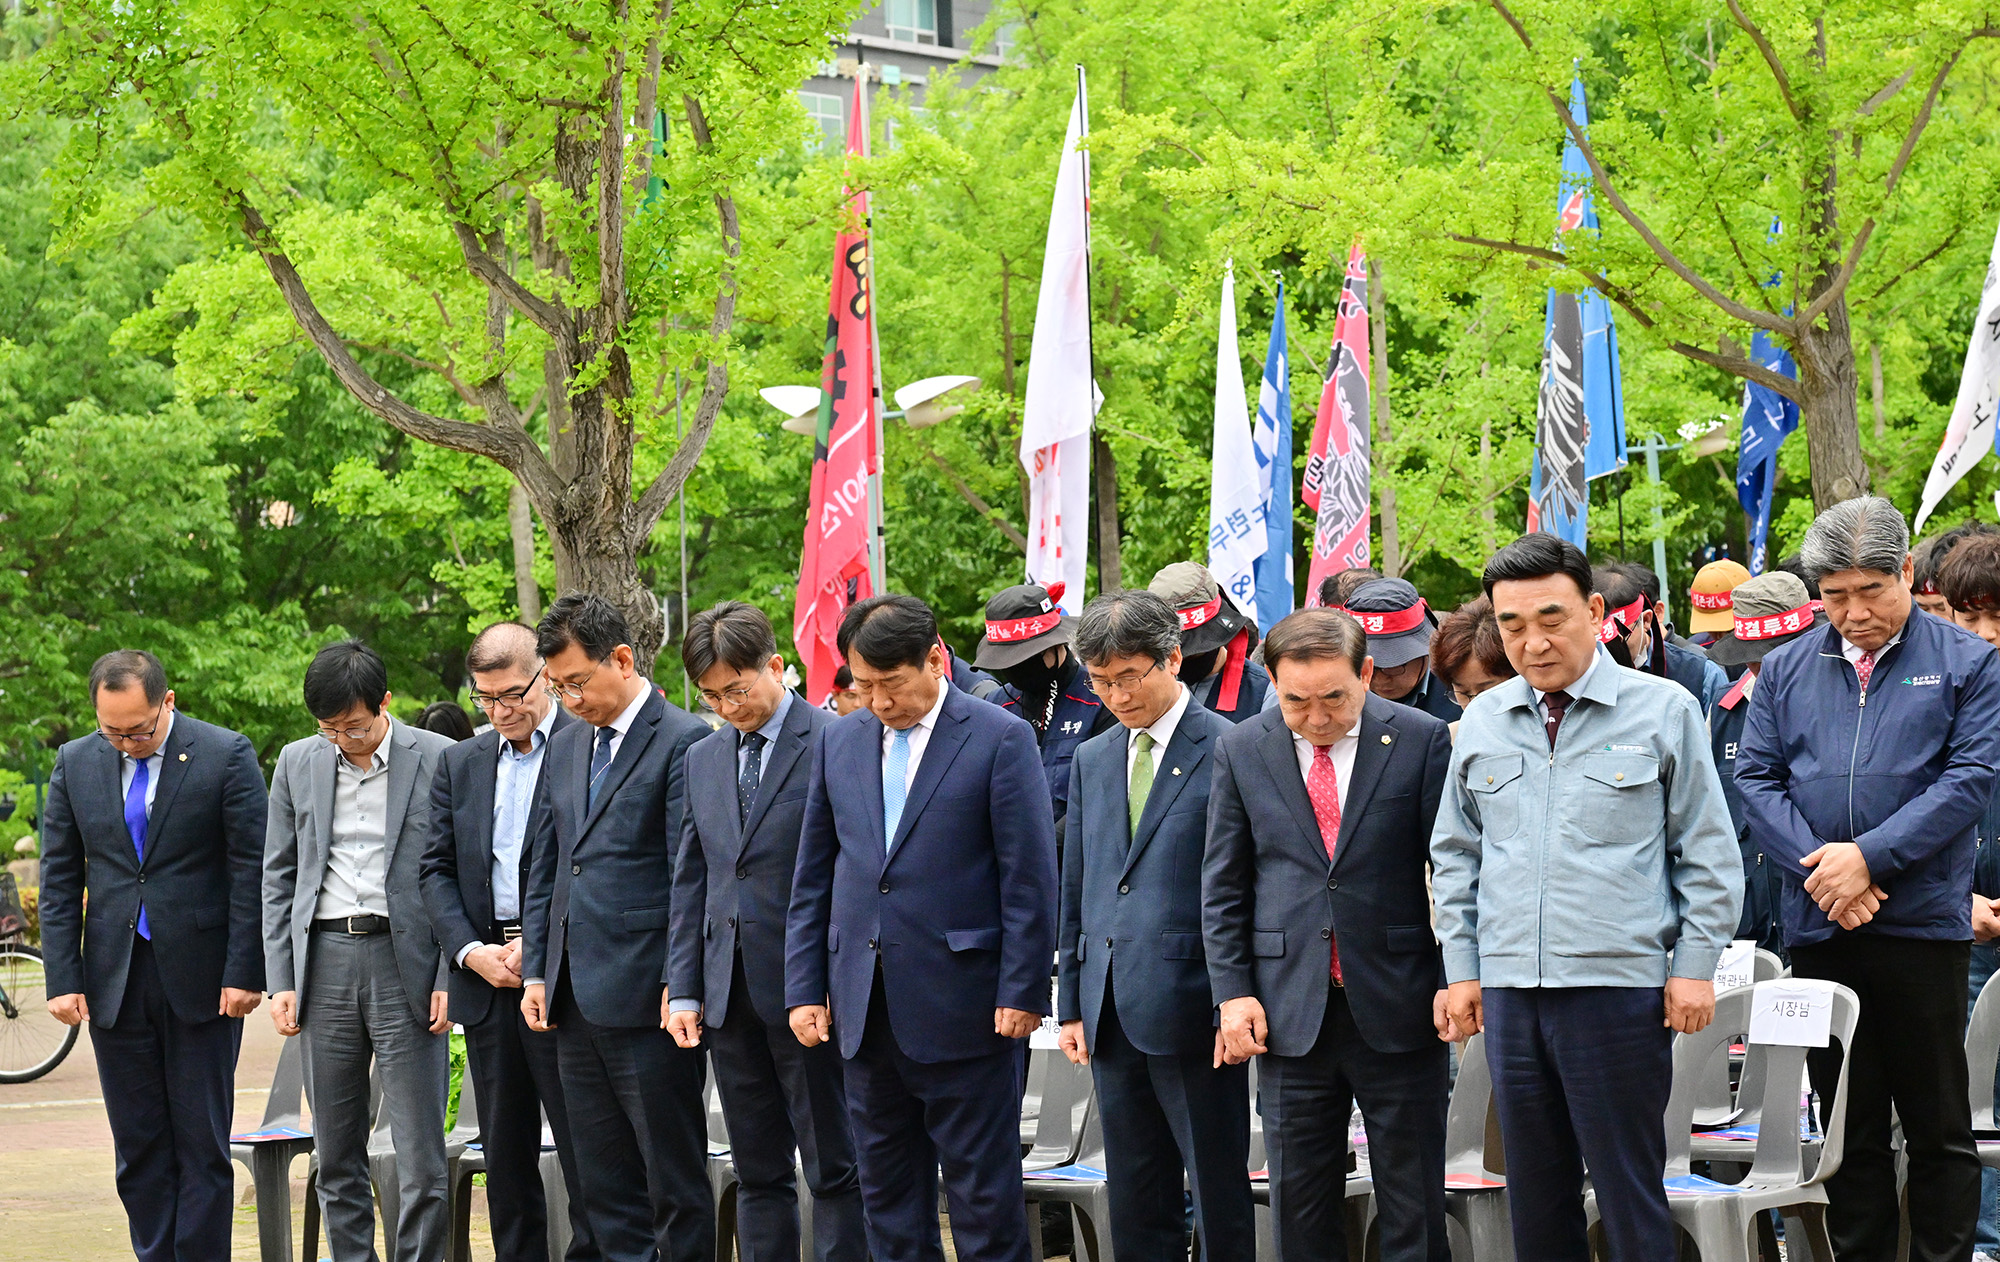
(735,695)
(352,735)
(513,699)
(572,692)
(1123,684)
(136,738)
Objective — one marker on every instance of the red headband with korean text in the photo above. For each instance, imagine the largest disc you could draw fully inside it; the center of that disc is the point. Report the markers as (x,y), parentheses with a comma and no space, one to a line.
(1627,615)
(1014,630)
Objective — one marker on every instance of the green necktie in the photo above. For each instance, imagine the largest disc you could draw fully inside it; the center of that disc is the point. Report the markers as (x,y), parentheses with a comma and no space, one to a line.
(1142,778)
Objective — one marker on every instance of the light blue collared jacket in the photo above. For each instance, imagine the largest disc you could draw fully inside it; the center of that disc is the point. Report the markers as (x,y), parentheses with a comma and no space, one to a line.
(1609,861)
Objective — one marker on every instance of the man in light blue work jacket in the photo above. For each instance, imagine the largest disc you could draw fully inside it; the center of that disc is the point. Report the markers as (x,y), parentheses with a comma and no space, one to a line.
(1587,879)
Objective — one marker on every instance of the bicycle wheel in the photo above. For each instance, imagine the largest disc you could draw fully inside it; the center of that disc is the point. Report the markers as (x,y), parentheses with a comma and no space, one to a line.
(31,1041)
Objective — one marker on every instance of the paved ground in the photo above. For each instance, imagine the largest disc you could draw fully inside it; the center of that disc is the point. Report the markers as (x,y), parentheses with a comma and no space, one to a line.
(57,1202)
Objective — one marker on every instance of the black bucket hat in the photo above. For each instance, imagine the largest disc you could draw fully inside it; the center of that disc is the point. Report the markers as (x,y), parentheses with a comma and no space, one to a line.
(1021,622)
(1396,619)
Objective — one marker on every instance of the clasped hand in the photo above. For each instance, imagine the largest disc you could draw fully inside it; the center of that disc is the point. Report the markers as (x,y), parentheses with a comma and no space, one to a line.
(1841,885)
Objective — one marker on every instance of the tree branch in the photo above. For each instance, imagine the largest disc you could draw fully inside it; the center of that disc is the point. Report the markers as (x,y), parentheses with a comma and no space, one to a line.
(972,497)
(547,316)
(1770,59)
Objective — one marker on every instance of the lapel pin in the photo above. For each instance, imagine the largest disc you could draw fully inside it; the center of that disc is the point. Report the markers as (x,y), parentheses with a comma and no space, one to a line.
(1177,770)
(184,757)
(1386,739)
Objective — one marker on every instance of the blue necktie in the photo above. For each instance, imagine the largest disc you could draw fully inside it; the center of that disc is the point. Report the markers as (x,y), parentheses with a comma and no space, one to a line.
(600,759)
(895,786)
(753,771)
(135,823)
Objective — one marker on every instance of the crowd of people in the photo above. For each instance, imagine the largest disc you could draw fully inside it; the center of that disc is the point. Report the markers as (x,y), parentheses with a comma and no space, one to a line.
(1336,846)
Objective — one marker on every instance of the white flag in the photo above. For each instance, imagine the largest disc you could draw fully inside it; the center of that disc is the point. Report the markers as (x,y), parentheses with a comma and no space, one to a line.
(1061,398)
(1235,494)
(1969,435)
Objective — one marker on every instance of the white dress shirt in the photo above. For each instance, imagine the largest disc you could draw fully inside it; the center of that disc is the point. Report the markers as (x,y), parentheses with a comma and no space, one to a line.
(357,859)
(920,735)
(623,723)
(1853,652)
(128,767)
(1342,754)
(1162,731)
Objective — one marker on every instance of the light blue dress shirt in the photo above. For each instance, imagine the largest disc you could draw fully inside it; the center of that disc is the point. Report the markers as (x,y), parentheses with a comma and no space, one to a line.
(513,793)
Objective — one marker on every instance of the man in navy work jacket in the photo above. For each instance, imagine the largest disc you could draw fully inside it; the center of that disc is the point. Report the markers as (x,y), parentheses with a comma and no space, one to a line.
(1134,997)
(1320,951)
(726,974)
(474,872)
(1026,646)
(606,817)
(159,818)
(1867,761)
(921,932)
(1587,880)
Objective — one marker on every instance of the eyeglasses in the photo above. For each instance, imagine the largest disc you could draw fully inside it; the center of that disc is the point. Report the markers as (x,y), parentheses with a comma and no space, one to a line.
(572,692)
(512,700)
(135,738)
(1123,684)
(735,695)
(352,735)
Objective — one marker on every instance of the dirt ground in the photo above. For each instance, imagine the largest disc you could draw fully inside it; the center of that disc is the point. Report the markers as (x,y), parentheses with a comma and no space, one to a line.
(57,1201)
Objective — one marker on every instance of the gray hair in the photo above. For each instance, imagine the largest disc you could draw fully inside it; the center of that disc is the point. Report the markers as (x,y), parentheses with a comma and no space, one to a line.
(1867,533)
(500,646)
(1132,623)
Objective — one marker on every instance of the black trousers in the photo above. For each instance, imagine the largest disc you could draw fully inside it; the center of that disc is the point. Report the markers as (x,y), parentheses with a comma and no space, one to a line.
(515,1078)
(169,1093)
(1170,1122)
(1909,1052)
(909,1119)
(1307,1101)
(779,1097)
(640,1130)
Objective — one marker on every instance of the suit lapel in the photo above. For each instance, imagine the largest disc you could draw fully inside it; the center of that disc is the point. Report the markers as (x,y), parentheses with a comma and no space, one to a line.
(871,786)
(1184,756)
(323,772)
(484,768)
(1107,766)
(630,750)
(946,739)
(174,759)
(729,760)
(1282,761)
(106,767)
(1371,755)
(784,753)
(405,761)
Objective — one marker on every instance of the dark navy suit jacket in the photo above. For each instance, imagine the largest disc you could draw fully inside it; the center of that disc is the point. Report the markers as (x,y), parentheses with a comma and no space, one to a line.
(457,871)
(601,878)
(733,878)
(1131,898)
(1271,901)
(201,881)
(962,910)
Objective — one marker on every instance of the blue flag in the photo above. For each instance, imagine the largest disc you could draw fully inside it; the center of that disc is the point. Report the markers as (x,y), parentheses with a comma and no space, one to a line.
(1768,417)
(1580,410)
(1273,440)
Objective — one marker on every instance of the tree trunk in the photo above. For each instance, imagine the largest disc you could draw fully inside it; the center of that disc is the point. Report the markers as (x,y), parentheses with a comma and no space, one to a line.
(521,525)
(1829,392)
(594,556)
(1378,390)
(1875,377)
(1110,571)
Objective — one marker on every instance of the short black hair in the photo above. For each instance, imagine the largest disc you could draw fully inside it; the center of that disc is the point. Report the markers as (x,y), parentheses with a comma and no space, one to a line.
(1336,587)
(1931,553)
(502,645)
(888,631)
(1795,566)
(446,718)
(1969,579)
(1539,555)
(590,622)
(342,676)
(1645,576)
(843,678)
(733,633)
(1618,586)
(1313,633)
(121,668)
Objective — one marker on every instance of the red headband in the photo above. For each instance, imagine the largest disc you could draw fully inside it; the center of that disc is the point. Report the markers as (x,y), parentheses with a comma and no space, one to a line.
(1713,602)
(1016,629)
(1928,587)
(1777,624)
(1629,615)
(1394,623)
(1196,615)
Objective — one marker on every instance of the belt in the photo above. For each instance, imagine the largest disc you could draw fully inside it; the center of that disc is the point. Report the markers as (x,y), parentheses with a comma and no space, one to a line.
(509,930)
(356,926)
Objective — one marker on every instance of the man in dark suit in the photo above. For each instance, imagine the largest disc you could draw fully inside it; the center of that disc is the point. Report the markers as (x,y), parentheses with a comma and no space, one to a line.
(606,817)
(732,888)
(474,871)
(1134,995)
(921,930)
(349,952)
(1319,939)
(159,819)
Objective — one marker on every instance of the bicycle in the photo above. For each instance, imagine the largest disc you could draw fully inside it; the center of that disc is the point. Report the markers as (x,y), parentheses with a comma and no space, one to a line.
(32,1041)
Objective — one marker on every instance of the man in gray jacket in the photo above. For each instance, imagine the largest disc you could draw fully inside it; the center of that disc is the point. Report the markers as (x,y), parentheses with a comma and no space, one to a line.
(348,949)
(1587,879)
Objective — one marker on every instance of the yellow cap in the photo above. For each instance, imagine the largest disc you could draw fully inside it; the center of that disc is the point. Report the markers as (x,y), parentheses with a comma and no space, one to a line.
(1710,595)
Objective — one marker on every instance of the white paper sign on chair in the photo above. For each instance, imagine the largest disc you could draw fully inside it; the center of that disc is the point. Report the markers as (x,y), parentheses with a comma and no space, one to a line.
(1738,965)
(1792,1014)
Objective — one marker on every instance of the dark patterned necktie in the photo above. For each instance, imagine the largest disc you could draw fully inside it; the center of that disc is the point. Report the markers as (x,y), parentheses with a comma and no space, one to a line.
(753,770)
(600,761)
(1558,704)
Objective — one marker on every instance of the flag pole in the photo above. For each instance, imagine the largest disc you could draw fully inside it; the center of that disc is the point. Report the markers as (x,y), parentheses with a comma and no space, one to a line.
(1089,314)
(878,562)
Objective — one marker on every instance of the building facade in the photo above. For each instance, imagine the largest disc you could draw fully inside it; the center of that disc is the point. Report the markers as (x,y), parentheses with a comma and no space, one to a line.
(905,46)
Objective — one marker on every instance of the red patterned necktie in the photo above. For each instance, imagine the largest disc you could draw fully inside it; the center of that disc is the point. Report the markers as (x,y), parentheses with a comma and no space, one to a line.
(1323,787)
(1864,666)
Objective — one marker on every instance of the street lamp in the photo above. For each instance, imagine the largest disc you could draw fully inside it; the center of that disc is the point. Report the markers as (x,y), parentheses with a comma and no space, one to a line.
(919,405)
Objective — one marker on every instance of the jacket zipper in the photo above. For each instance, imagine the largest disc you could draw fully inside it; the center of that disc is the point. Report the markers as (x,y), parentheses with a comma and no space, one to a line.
(1854,757)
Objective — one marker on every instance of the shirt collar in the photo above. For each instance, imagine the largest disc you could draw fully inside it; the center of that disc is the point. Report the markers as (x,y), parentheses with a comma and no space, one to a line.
(1164,727)
(1581,685)
(1853,652)
(378,761)
(536,738)
(623,723)
(1353,737)
(774,726)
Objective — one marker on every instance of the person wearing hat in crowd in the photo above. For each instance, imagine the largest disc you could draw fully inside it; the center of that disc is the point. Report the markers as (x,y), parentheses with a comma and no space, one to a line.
(1766,612)
(1399,626)
(1026,646)
(1216,639)
(1631,622)
(1709,600)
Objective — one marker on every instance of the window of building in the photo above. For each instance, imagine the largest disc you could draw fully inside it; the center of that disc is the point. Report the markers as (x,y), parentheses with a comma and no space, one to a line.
(1005,39)
(830,112)
(912,20)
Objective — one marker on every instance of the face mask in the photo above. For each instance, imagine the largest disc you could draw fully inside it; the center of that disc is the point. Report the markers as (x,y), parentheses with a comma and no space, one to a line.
(1198,667)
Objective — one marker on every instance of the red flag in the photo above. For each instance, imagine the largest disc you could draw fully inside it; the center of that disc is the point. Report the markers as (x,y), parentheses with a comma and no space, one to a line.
(1336,484)
(833,567)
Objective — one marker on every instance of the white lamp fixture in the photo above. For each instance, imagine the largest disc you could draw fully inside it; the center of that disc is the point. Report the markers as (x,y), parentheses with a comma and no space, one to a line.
(800,404)
(924,402)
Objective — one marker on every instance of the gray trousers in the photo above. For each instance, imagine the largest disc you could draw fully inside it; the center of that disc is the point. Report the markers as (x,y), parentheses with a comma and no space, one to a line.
(360,1012)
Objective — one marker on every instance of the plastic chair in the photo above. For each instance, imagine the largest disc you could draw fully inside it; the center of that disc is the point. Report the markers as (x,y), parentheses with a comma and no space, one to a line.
(471,1159)
(722,1180)
(464,1156)
(1982,1054)
(267,1153)
(1474,1196)
(1082,1185)
(1726,1118)
(1056,1146)
(1720,1217)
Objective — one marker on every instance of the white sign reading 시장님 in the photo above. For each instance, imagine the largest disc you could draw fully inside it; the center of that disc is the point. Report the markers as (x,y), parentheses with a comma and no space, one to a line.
(1792,1014)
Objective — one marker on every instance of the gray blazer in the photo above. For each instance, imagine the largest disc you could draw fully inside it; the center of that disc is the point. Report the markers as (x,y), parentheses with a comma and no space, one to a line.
(296,841)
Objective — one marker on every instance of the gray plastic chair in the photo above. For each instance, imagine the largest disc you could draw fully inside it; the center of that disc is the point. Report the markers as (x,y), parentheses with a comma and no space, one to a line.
(722,1182)
(1057,1141)
(1718,1104)
(267,1153)
(470,1159)
(1086,1190)
(1474,1196)
(1982,1054)
(1721,1217)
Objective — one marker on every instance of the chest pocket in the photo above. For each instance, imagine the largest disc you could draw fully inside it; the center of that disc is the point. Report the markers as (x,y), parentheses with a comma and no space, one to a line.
(1495,785)
(1618,796)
